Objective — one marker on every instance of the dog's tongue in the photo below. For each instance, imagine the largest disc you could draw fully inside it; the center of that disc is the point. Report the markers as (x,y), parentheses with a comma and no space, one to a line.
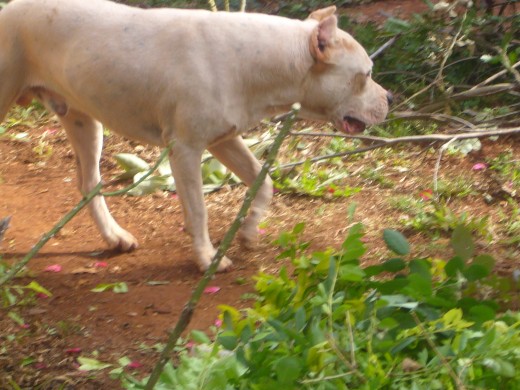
(352,125)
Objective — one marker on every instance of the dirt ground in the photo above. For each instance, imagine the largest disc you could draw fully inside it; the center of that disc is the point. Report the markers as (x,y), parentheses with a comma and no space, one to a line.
(38,191)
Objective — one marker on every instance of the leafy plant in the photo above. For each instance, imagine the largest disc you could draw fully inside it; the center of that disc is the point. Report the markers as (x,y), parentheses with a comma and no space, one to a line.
(436,217)
(314,182)
(408,322)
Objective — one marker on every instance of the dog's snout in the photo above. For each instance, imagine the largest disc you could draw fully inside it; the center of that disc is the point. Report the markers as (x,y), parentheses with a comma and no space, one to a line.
(389,97)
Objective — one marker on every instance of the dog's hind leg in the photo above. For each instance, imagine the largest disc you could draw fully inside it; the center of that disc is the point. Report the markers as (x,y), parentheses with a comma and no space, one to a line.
(235,155)
(185,163)
(86,137)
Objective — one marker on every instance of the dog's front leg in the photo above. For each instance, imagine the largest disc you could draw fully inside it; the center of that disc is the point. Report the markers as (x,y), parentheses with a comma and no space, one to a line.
(185,163)
(235,155)
(86,137)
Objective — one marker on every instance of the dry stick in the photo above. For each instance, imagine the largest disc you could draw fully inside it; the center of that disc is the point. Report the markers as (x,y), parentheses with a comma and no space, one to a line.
(495,76)
(382,142)
(190,306)
(438,166)
(71,214)
(383,47)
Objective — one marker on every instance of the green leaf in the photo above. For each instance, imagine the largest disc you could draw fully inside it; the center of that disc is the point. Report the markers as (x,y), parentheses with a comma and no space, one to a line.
(394,265)
(353,248)
(36,287)
(481,313)
(486,261)
(475,272)
(199,337)
(89,364)
(120,287)
(131,163)
(462,242)
(228,340)
(396,242)
(288,369)
(16,318)
(453,266)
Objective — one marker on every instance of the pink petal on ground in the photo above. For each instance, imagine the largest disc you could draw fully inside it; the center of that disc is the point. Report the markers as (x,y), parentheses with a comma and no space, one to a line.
(261,231)
(25,326)
(41,295)
(134,365)
(100,264)
(275,190)
(218,322)
(53,268)
(72,351)
(479,166)
(190,344)
(211,290)
(40,365)
(426,194)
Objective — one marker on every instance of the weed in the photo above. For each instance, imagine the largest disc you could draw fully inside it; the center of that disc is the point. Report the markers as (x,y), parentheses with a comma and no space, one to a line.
(332,324)
(314,181)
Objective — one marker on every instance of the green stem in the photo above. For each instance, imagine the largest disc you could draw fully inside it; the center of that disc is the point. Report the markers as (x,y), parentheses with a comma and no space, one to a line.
(189,307)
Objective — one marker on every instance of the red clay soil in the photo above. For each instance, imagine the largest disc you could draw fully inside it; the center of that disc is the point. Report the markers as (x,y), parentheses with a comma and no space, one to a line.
(160,275)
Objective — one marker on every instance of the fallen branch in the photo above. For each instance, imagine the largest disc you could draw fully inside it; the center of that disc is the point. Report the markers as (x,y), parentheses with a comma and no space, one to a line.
(382,142)
(190,306)
(470,94)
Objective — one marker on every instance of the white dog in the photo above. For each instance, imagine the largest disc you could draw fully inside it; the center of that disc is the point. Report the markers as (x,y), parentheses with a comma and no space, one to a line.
(194,77)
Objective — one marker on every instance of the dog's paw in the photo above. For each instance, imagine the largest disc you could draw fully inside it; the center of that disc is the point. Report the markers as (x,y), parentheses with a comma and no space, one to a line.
(248,236)
(225,264)
(122,241)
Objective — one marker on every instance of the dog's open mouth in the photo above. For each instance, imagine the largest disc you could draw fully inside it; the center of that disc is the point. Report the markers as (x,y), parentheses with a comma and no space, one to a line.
(352,125)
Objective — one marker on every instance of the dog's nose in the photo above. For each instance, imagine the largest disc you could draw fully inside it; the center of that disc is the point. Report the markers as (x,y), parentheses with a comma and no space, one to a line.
(389,97)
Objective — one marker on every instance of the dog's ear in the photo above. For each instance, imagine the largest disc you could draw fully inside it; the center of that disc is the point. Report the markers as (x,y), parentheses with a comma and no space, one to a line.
(323,37)
(321,14)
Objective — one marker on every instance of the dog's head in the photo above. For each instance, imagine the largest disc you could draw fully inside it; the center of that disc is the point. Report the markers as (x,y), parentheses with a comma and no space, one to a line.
(339,87)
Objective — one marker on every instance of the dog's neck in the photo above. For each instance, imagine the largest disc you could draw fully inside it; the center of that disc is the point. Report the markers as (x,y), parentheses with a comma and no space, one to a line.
(279,83)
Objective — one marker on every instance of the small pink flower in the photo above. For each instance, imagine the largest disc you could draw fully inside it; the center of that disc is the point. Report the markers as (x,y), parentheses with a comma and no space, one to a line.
(53,268)
(73,351)
(426,194)
(100,264)
(134,365)
(211,290)
(190,344)
(479,167)
(261,231)
(275,190)
(218,322)
(40,365)
(25,326)
(41,295)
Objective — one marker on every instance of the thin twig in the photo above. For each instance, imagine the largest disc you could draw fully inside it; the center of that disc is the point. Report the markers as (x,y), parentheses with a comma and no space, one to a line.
(495,76)
(384,142)
(383,47)
(458,382)
(438,164)
(190,306)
